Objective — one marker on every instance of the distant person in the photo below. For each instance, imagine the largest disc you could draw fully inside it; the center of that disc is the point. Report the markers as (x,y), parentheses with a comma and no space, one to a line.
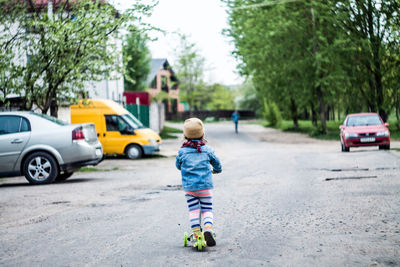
(235,119)
(193,160)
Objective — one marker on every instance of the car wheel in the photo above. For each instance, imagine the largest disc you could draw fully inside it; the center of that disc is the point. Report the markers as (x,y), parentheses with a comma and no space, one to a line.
(40,168)
(64,176)
(384,147)
(345,148)
(133,151)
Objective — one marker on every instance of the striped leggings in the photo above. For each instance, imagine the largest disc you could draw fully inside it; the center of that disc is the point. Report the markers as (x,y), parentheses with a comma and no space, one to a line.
(200,208)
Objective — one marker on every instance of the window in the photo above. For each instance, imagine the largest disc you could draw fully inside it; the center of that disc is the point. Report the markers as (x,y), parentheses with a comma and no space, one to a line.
(24,126)
(153,83)
(50,118)
(364,120)
(115,123)
(126,123)
(132,121)
(13,124)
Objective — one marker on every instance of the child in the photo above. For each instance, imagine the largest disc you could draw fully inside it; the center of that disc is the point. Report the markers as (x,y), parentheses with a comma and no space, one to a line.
(194,159)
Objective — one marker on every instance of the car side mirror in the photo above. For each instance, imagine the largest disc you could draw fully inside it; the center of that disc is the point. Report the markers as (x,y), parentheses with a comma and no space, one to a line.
(341,127)
(386,124)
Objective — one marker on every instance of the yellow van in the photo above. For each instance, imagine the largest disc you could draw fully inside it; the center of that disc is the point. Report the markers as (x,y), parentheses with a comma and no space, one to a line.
(118,130)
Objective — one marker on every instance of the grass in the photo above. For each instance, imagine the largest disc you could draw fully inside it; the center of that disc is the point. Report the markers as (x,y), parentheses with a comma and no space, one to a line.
(306,127)
(170,132)
(394,127)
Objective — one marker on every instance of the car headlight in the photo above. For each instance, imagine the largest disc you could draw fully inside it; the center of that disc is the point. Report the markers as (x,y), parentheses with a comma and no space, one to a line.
(152,141)
(384,133)
(350,135)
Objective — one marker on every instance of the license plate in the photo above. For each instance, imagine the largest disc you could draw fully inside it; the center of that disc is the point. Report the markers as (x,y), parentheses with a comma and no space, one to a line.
(98,152)
(367,139)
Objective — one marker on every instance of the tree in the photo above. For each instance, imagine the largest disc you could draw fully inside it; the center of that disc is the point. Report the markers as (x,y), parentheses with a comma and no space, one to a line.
(248,97)
(373,32)
(10,38)
(73,43)
(319,55)
(189,66)
(137,58)
(221,98)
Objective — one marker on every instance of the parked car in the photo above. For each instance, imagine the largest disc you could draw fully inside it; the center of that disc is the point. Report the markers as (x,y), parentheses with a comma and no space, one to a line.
(43,148)
(364,129)
(118,130)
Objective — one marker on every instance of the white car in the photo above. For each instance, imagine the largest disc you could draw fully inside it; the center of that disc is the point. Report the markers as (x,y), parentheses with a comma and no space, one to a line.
(43,148)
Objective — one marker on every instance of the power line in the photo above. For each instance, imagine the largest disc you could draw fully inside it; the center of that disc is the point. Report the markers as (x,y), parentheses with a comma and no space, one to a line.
(269,3)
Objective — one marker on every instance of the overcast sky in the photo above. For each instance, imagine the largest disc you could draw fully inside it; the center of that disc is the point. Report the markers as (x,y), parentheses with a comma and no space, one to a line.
(203,21)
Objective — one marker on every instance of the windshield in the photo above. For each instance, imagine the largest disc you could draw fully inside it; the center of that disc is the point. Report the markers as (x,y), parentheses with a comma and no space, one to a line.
(364,120)
(132,121)
(49,118)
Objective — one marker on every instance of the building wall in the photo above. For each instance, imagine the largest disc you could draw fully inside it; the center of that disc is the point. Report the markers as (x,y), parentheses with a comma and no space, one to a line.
(157,117)
(106,89)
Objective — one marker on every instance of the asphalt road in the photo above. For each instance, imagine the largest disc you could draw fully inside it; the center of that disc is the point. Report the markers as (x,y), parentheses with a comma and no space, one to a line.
(281,200)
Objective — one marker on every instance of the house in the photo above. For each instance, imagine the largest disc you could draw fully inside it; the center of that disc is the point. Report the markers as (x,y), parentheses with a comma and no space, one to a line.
(163,78)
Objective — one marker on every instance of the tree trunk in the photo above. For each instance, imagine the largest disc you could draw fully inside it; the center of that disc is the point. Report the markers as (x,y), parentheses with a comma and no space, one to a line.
(313,115)
(54,108)
(397,105)
(322,113)
(295,116)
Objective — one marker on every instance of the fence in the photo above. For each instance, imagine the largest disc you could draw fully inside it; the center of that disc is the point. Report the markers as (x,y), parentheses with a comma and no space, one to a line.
(217,114)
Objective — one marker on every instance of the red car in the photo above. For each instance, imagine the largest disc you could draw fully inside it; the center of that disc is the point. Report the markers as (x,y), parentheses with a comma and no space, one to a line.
(364,129)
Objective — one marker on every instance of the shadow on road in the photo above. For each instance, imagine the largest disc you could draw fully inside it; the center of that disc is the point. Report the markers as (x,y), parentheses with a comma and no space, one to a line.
(365,150)
(71,181)
(75,180)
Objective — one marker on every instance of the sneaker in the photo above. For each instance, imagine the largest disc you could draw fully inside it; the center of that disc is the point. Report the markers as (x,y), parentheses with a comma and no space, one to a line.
(209,236)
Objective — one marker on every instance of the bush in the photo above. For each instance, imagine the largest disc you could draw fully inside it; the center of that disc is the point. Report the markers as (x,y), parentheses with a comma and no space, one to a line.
(272,114)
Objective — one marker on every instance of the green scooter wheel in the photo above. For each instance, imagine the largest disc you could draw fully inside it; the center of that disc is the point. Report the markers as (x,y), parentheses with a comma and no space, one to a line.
(185,240)
(199,243)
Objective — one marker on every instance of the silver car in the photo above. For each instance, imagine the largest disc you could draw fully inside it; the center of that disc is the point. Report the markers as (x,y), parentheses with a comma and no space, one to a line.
(44,148)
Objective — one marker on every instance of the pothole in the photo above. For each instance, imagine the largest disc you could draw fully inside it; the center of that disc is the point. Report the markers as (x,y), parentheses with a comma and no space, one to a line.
(345,169)
(153,193)
(358,169)
(169,187)
(59,202)
(350,177)
(134,199)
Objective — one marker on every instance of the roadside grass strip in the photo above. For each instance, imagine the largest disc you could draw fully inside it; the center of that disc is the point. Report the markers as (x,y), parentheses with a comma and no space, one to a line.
(306,127)
(170,132)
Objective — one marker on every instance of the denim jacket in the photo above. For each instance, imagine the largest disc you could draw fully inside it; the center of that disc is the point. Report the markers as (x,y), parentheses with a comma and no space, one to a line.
(195,167)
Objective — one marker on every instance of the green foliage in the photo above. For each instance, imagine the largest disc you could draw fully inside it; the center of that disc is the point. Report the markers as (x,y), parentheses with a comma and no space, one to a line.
(272,113)
(306,127)
(136,56)
(192,89)
(319,55)
(189,67)
(54,53)
(170,132)
(221,98)
(248,97)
